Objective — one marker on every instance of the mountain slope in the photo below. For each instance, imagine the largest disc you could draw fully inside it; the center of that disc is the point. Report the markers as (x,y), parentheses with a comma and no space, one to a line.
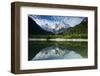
(80,29)
(56,24)
(35,29)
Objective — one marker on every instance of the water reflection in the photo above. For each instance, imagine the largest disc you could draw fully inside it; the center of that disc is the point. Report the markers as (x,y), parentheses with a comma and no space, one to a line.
(56,52)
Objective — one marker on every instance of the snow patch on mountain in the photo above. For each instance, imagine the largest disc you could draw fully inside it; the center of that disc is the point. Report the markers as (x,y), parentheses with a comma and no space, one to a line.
(56,24)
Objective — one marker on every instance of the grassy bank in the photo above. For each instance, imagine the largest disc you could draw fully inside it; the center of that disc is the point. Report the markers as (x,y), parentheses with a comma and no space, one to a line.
(81,36)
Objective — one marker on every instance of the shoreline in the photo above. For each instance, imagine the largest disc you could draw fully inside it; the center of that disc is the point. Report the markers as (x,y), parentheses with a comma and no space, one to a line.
(57,39)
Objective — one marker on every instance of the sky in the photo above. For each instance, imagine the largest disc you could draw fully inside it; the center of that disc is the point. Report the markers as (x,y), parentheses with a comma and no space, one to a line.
(52,20)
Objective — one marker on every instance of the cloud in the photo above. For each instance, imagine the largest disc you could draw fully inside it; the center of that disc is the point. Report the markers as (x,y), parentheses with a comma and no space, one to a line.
(52,20)
(72,21)
(55,23)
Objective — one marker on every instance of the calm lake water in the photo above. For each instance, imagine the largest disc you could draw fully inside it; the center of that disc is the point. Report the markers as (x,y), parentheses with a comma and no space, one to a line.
(52,50)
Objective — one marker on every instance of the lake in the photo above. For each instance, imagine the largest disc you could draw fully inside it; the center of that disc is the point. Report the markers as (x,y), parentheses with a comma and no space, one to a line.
(53,50)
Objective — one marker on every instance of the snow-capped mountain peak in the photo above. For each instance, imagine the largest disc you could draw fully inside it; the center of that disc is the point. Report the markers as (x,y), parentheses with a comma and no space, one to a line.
(56,24)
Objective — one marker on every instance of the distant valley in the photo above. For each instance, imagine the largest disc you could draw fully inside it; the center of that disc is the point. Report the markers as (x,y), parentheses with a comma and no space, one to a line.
(78,31)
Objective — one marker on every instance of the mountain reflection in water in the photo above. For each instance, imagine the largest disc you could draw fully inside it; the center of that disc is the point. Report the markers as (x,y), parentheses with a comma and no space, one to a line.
(52,50)
(56,52)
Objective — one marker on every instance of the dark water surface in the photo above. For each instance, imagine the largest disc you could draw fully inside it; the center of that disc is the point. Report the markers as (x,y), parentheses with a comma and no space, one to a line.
(51,50)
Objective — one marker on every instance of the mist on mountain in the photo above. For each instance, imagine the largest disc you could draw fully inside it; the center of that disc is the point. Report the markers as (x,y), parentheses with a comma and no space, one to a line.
(56,24)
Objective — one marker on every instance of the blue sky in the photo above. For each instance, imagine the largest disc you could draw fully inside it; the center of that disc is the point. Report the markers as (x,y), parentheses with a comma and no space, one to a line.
(52,20)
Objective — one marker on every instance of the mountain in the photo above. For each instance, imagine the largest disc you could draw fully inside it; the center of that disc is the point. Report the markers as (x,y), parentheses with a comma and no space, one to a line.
(56,27)
(35,29)
(81,28)
(48,31)
(56,24)
(50,26)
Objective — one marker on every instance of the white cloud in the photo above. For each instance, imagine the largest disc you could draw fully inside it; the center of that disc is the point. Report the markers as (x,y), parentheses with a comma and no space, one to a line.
(72,21)
(49,23)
